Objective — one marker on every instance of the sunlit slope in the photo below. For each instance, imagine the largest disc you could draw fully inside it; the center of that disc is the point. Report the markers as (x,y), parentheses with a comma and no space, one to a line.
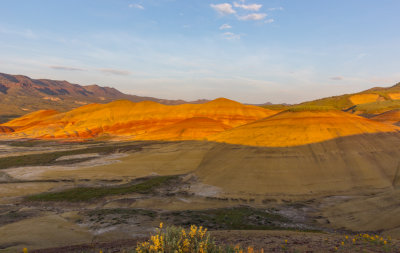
(125,118)
(364,98)
(31,119)
(188,129)
(358,162)
(292,128)
(390,117)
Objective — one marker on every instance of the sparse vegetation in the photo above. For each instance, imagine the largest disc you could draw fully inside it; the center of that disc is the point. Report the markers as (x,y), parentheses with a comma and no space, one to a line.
(337,102)
(90,193)
(301,108)
(51,157)
(276,106)
(238,218)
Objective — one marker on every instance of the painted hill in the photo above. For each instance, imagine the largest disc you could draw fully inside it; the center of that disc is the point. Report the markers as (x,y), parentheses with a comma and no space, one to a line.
(298,127)
(20,94)
(137,120)
(371,101)
(189,129)
(6,130)
(390,117)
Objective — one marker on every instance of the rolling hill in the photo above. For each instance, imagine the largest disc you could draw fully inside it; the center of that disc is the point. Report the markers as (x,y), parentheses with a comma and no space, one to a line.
(143,120)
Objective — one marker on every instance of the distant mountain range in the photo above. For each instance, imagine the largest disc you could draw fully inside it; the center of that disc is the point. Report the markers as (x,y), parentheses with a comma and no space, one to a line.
(20,95)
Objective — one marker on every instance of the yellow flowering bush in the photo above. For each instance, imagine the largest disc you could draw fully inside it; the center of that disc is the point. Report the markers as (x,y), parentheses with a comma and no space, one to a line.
(176,239)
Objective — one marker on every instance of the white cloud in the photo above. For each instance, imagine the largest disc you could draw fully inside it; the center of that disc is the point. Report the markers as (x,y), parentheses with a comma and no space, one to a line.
(223,9)
(276,9)
(253,16)
(337,78)
(231,36)
(269,21)
(66,68)
(115,72)
(225,26)
(248,7)
(136,6)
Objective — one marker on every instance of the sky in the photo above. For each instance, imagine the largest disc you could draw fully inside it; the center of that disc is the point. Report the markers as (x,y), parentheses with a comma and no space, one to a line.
(251,51)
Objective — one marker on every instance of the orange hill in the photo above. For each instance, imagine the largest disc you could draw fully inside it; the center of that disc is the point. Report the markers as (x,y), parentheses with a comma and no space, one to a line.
(293,128)
(4,129)
(390,117)
(31,119)
(188,129)
(133,120)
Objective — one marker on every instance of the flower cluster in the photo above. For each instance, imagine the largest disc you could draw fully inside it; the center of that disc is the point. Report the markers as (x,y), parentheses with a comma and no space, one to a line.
(178,240)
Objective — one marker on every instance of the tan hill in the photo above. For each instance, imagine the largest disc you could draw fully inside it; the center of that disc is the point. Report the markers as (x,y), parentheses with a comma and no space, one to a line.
(293,128)
(137,120)
(369,102)
(20,94)
(390,117)
(352,164)
(302,152)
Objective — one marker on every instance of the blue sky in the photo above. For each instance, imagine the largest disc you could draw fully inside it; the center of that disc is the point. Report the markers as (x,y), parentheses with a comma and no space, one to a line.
(252,51)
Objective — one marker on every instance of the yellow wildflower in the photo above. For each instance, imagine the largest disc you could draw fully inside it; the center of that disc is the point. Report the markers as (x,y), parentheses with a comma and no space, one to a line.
(161,225)
(193,231)
(385,242)
(25,250)
(342,243)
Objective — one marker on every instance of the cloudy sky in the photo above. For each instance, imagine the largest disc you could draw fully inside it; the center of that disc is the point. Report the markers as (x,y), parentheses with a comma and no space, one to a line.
(252,51)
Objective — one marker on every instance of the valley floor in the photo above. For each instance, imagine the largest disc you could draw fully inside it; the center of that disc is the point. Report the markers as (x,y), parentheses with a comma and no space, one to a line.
(109,195)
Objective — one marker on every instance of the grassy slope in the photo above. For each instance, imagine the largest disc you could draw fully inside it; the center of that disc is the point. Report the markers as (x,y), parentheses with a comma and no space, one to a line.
(343,102)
